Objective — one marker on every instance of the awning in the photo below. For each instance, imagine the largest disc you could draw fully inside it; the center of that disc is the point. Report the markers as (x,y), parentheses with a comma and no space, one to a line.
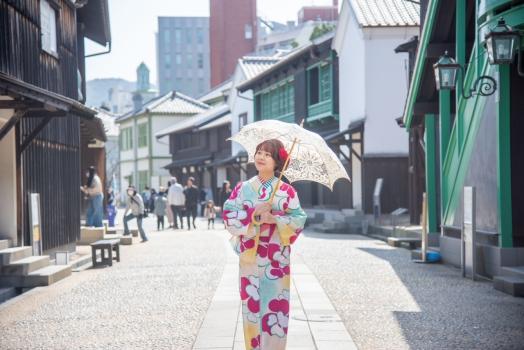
(93,129)
(188,162)
(339,137)
(95,17)
(228,160)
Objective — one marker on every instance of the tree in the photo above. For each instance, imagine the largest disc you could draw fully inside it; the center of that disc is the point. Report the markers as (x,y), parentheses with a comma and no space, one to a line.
(320,30)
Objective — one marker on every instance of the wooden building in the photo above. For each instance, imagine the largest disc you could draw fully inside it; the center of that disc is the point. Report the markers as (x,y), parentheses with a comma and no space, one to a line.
(472,136)
(304,86)
(43,124)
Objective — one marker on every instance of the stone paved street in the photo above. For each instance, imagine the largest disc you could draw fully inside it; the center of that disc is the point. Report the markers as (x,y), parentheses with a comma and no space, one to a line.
(389,302)
(159,295)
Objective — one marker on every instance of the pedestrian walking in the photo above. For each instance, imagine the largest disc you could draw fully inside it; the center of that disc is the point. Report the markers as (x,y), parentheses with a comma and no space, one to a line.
(168,211)
(224,194)
(111,207)
(192,194)
(176,199)
(263,230)
(160,208)
(152,198)
(135,204)
(95,196)
(146,195)
(210,213)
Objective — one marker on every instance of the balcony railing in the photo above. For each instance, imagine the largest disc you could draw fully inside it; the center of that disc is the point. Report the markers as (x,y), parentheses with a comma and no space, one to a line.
(320,110)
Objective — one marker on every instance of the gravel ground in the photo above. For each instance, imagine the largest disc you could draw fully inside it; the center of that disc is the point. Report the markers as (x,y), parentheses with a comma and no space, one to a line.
(389,302)
(155,298)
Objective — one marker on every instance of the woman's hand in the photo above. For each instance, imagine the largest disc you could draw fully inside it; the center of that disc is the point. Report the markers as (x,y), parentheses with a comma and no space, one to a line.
(267,218)
(262,208)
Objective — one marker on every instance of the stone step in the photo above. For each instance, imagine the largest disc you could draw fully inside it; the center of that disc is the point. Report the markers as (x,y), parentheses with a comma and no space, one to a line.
(5,243)
(25,266)
(10,255)
(398,241)
(510,285)
(7,293)
(42,277)
(514,271)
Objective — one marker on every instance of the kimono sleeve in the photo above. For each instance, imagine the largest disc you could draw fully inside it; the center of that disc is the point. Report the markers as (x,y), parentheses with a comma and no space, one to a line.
(238,212)
(291,224)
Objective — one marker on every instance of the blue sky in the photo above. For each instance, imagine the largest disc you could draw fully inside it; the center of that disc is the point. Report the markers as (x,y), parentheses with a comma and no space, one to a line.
(134,24)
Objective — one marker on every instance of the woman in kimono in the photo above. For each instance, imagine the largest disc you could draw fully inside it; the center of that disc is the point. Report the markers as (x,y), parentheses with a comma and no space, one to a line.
(262,236)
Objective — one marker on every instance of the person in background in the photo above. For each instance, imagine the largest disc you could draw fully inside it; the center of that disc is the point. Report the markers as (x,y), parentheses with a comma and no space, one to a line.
(224,194)
(202,198)
(111,208)
(168,211)
(136,205)
(145,197)
(176,199)
(151,203)
(210,213)
(160,208)
(192,194)
(93,191)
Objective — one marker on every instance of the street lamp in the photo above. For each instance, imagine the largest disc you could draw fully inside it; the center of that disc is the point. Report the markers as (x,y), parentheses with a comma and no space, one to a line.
(502,43)
(446,76)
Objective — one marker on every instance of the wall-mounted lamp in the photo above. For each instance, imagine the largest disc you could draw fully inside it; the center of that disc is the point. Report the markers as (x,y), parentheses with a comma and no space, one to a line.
(502,44)
(446,75)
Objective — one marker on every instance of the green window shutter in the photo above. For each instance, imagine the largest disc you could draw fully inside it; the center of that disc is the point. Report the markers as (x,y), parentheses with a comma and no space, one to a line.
(142,135)
(325,83)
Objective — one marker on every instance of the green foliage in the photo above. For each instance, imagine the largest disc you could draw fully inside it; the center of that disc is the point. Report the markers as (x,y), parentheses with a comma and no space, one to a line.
(321,30)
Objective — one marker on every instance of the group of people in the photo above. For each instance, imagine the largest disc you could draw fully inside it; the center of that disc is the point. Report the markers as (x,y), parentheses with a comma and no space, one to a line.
(174,202)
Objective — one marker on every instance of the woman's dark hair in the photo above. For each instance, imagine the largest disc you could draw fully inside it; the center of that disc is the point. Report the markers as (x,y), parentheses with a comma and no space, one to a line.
(273,147)
(224,185)
(92,173)
(132,188)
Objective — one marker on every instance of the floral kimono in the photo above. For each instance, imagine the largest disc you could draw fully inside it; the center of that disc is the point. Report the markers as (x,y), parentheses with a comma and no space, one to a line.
(264,259)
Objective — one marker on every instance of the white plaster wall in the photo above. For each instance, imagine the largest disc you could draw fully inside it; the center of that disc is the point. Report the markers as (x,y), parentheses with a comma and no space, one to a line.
(386,89)
(352,79)
(159,123)
(126,169)
(239,105)
(158,167)
(7,182)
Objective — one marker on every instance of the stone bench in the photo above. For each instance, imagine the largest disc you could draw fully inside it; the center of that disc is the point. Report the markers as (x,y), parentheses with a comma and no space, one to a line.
(90,235)
(411,241)
(105,245)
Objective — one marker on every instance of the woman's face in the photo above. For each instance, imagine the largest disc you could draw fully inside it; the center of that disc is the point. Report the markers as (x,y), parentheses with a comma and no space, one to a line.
(130,193)
(264,162)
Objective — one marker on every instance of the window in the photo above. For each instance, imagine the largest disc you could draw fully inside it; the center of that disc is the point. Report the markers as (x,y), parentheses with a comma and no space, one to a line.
(189,35)
(178,83)
(313,86)
(178,35)
(48,28)
(200,35)
(248,31)
(178,59)
(142,135)
(200,62)
(277,103)
(167,60)
(143,180)
(167,37)
(325,83)
(242,120)
(200,85)
(189,59)
(126,139)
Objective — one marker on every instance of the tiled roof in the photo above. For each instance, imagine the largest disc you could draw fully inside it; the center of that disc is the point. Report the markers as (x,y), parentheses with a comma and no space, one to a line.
(170,103)
(253,65)
(386,13)
(195,121)
(224,120)
(217,91)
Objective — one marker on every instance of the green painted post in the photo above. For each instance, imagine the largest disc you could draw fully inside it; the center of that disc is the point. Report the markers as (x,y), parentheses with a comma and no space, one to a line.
(504,160)
(445,131)
(460,56)
(431,168)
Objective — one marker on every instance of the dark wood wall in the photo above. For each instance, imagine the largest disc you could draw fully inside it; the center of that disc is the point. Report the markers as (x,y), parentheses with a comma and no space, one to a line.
(394,171)
(21,54)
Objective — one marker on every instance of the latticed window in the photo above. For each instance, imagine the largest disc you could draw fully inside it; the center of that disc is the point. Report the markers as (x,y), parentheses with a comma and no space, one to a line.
(142,135)
(325,83)
(278,103)
(126,139)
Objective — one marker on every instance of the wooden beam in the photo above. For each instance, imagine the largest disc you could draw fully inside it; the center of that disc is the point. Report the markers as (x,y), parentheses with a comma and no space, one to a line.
(435,50)
(10,124)
(44,114)
(34,133)
(20,104)
(422,108)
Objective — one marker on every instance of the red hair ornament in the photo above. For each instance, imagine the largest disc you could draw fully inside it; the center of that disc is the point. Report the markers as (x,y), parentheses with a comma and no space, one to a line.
(282,154)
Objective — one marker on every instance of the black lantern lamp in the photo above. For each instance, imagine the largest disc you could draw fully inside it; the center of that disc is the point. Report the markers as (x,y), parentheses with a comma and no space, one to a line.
(502,44)
(447,74)
(446,70)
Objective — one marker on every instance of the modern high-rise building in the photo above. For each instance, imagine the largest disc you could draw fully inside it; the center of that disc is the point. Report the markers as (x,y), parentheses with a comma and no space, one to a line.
(233,34)
(183,55)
